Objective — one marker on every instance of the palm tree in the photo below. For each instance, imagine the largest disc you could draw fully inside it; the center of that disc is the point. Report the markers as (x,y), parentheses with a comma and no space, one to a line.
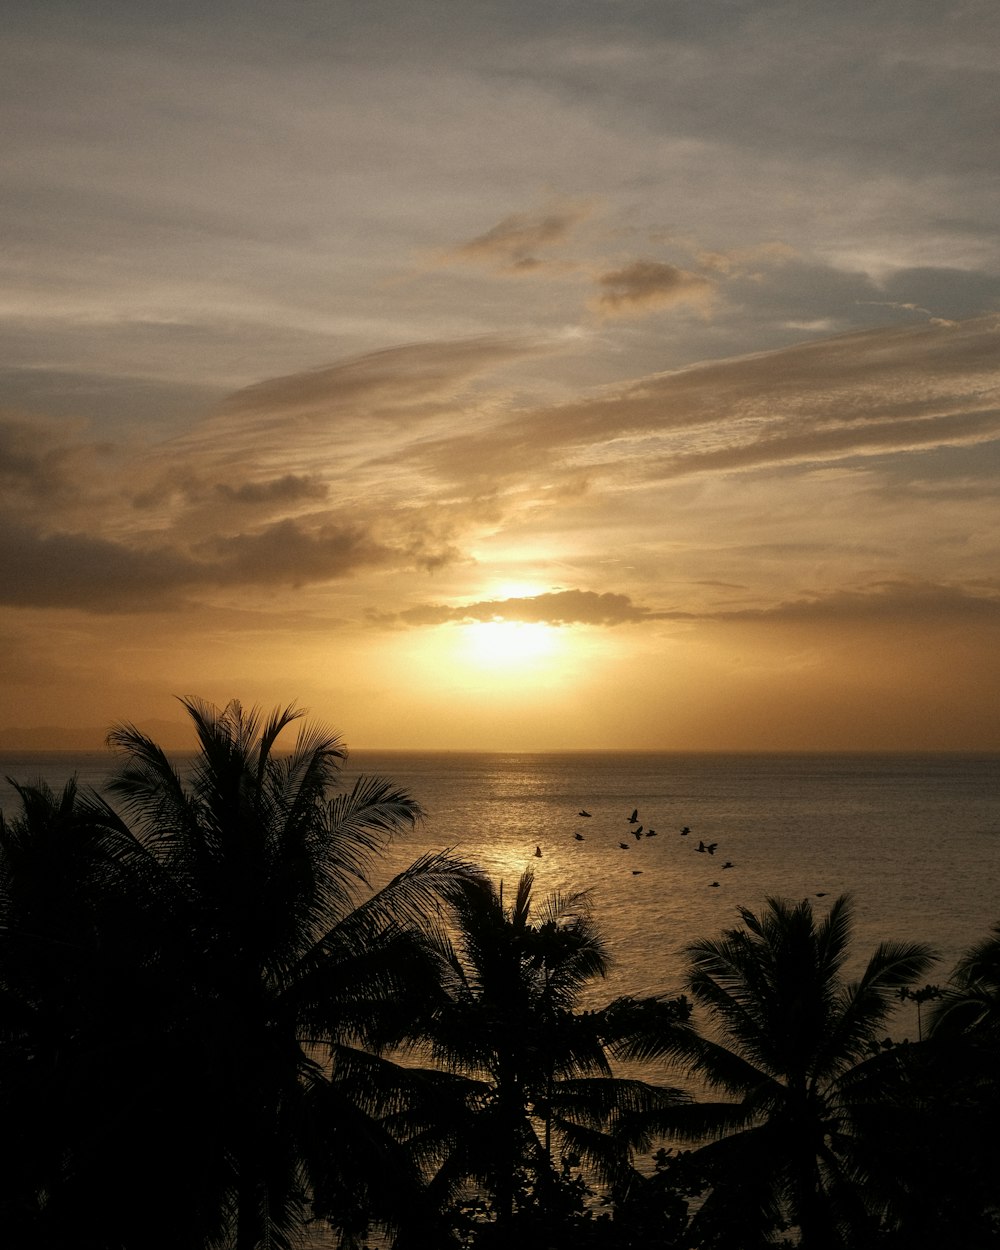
(961,1094)
(80,994)
(535,1086)
(280,976)
(794,1046)
(971,1002)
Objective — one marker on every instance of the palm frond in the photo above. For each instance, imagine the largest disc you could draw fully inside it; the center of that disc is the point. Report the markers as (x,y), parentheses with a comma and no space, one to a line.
(865,1005)
(522,900)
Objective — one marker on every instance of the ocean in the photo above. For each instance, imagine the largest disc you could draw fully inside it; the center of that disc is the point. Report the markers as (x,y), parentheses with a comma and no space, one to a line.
(915,839)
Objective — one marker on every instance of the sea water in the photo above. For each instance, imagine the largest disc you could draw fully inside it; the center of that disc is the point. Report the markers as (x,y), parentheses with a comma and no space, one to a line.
(915,839)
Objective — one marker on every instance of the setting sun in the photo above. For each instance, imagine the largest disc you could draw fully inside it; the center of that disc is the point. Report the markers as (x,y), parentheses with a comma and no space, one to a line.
(549,446)
(508,644)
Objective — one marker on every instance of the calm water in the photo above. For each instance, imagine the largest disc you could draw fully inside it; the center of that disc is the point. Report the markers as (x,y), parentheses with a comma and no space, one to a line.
(914,838)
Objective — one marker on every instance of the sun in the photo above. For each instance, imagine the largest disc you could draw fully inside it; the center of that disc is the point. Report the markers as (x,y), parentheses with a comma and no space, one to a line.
(509,644)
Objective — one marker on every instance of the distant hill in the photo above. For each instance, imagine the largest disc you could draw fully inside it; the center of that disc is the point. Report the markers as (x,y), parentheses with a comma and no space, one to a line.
(171,735)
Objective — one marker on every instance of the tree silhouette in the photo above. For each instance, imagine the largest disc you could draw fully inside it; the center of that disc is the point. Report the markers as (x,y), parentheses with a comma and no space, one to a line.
(536,1092)
(970,1003)
(789,1041)
(83,989)
(955,1107)
(249,978)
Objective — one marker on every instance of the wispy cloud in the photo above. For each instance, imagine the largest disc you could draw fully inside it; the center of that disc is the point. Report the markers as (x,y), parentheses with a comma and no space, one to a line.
(514,244)
(870,393)
(413,459)
(672,312)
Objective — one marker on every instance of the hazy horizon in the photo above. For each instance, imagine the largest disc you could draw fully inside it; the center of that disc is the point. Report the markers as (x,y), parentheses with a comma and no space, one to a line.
(605,376)
(174,739)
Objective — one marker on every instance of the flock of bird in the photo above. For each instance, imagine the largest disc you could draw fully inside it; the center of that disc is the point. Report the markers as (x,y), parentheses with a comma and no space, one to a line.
(639,832)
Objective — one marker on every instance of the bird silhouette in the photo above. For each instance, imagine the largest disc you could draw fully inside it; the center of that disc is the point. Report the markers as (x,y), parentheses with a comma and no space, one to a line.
(578,836)
(650,833)
(729,864)
(636,872)
(821,894)
(637,833)
(711,847)
(634,817)
(701,848)
(623,845)
(538,852)
(715,883)
(581,812)
(685,831)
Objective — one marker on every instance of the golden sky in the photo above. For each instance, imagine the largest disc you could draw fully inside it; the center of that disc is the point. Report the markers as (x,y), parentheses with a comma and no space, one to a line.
(595,375)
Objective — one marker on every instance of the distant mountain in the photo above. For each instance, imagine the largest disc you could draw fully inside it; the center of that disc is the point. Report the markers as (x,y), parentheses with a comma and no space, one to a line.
(171,735)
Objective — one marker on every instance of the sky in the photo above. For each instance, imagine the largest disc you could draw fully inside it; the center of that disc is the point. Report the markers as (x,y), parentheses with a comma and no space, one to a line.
(596,374)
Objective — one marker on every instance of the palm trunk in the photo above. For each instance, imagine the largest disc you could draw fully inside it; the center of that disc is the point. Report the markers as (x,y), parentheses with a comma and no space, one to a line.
(510,1112)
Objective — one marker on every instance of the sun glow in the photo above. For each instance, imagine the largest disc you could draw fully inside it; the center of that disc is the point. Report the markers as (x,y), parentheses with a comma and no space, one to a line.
(509,644)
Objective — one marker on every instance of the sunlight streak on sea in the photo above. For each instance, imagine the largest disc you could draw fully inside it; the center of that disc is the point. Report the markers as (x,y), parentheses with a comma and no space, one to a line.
(914,838)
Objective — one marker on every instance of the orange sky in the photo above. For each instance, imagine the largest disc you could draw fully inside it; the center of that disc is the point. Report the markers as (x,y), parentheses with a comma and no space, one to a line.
(523,380)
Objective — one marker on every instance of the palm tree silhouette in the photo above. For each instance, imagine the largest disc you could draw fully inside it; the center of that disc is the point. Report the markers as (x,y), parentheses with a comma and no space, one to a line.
(970,1003)
(84,987)
(281,976)
(957,1079)
(534,1083)
(789,1041)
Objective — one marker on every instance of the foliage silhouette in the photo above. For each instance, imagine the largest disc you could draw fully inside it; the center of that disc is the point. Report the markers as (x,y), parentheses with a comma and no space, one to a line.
(789,1040)
(535,1092)
(247,979)
(204,1002)
(84,989)
(970,1002)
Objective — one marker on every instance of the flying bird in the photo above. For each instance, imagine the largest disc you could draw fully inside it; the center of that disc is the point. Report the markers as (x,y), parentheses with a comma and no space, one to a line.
(714,883)
(650,833)
(638,833)
(578,836)
(701,848)
(623,845)
(636,872)
(538,852)
(729,864)
(711,847)
(581,812)
(634,817)
(685,831)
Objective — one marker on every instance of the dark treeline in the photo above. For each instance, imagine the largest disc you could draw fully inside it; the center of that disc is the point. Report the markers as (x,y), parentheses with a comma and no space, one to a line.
(216,1035)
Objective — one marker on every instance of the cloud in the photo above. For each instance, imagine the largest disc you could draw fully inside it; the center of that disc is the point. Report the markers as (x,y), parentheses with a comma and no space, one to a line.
(849,439)
(511,246)
(98,574)
(288,489)
(646,285)
(288,553)
(744,261)
(896,602)
(413,459)
(395,384)
(87,571)
(899,389)
(40,465)
(560,607)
